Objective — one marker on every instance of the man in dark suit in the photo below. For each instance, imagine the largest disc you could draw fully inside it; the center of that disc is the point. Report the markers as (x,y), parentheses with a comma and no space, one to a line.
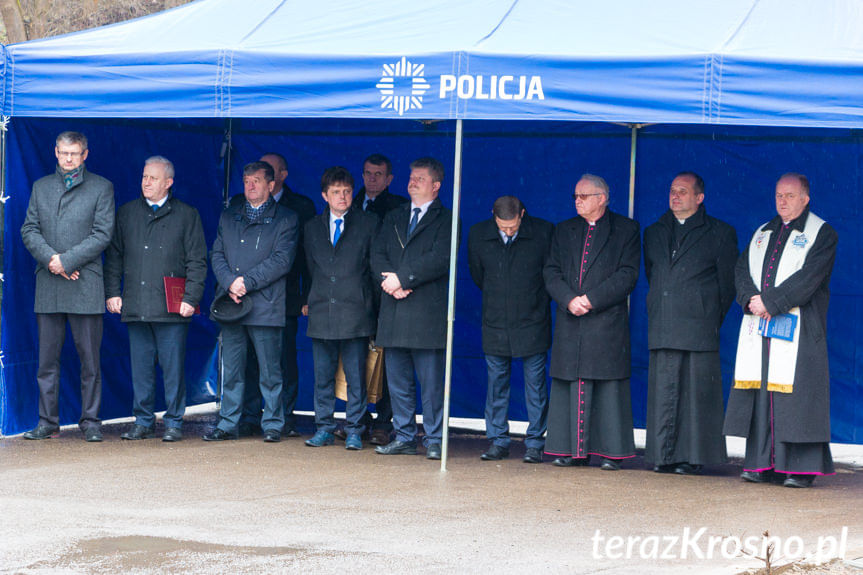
(253,251)
(375,198)
(341,307)
(156,236)
(689,259)
(592,268)
(411,256)
(780,401)
(296,294)
(69,223)
(507,254)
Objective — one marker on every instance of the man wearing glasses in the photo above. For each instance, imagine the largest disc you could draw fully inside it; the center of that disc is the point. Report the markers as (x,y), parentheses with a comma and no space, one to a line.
(592,268)
(69,223)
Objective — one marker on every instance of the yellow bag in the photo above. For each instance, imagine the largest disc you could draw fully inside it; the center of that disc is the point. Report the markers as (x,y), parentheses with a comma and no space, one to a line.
(374,375)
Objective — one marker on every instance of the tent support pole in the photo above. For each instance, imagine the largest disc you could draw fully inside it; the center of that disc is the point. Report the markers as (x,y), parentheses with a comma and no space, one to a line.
(450,313)
(633,140)
(225,154)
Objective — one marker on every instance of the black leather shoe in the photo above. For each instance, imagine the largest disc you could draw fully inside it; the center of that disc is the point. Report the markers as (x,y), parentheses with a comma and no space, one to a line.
(379,437)
(291,432)
(42,432)
(570,461)
(397,447)
(138,432)
(173,434)
(272,436)
(93,435)
(495,453)
(218,435)
(532,455)
(799,481)
(433,451)
(609,464)
(669,468)
(340,434)
(687,469)
(755,477)
(246,429)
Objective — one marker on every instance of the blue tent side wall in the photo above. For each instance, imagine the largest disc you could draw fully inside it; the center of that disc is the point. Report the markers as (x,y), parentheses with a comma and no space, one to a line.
(538,161)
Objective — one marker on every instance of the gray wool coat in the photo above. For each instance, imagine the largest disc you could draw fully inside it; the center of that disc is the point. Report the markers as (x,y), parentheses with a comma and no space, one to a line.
(76,224)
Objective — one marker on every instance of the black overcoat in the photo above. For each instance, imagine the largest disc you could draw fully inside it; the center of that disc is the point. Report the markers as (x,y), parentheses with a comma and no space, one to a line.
(802,416)
(145,248)
(516,315)
(341,302)
(691,291)
(595,345)
(422,265)
(384,202)
(262,252)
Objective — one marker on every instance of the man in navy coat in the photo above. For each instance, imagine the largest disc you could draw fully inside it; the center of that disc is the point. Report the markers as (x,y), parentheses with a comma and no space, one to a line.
(253,251)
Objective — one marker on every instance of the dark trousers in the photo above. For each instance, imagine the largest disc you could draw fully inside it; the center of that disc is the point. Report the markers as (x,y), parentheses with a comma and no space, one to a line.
(383,407)
(429,366)
(326,355)
(163,343)
(252,400)
(497,399)
(87,334)
(763,452)
(267,342)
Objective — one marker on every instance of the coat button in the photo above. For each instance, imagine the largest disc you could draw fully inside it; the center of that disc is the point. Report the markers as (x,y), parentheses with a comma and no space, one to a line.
(332,300)
(143,283)
(333,278)
(146,247)
(242,241)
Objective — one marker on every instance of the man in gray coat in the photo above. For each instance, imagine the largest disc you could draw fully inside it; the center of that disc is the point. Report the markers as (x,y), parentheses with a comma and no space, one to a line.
(68,225)
(157,237)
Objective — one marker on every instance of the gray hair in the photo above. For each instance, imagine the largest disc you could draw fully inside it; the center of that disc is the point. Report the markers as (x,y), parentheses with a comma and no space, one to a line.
(598,183)
(71,138)
(169,166)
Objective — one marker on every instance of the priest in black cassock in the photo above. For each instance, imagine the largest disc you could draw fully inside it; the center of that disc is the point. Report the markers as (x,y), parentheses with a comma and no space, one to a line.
(780,401)
(592,268)
(689,261)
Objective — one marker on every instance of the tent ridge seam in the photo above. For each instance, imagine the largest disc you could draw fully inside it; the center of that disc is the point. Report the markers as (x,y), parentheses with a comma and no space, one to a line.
(498,25)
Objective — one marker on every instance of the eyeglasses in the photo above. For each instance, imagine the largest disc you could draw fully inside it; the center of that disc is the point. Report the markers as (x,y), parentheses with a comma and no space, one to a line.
(583,197)
(70,154)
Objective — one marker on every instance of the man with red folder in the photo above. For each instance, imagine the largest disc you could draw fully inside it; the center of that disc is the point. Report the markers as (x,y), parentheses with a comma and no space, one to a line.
(158,242)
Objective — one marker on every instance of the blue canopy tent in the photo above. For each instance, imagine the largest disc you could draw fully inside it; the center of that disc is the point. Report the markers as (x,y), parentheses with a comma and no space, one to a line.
(516,96)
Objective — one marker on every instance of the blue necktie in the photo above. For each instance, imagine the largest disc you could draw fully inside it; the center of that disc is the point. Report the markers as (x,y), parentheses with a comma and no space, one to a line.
(155,208)
(338,232)
(414,221)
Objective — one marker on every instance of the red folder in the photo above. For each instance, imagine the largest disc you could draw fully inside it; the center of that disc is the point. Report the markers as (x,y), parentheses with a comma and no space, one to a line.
(174,290)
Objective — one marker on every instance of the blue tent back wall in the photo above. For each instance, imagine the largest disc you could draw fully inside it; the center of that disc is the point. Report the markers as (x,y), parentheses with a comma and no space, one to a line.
(538,161)
(696,67)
